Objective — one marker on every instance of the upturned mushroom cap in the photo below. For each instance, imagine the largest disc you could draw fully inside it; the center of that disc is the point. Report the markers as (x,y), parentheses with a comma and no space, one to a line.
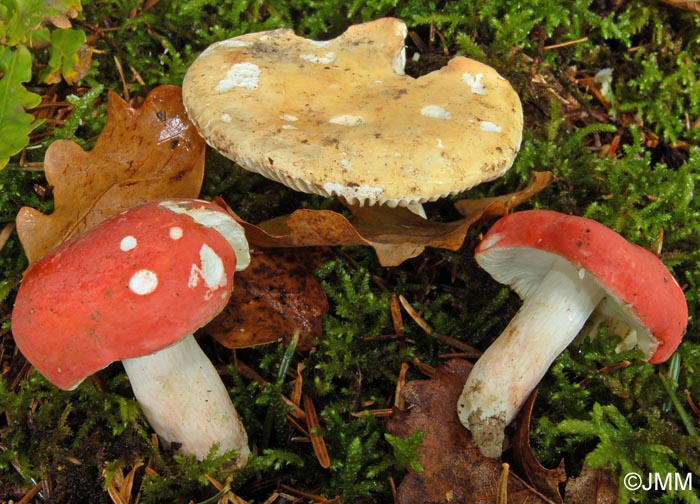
(133,285)
(566,269)
(639,291)
(340,117)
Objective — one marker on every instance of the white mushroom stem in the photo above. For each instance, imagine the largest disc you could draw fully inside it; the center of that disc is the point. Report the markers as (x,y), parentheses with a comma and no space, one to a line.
(185,401)
(505,375)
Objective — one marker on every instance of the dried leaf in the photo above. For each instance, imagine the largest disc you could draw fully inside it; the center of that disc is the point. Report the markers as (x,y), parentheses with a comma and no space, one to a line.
(546,480)
(275,296)
(690,5)
(298,385)
(396,234)
(317,440)
(500,205)
(121,487)
(593,486)
(142,154)
(455,470)
(5,234)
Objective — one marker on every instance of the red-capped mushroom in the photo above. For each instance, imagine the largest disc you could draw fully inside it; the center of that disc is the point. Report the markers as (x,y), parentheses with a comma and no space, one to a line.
(135,288)
(565,269)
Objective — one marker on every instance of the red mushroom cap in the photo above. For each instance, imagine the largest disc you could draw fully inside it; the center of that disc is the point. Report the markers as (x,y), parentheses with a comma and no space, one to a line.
(134,284)
(637,284)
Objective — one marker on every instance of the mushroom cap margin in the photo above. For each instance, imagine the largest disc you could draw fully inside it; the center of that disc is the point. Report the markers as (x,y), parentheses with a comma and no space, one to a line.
(118,291)
(638,285)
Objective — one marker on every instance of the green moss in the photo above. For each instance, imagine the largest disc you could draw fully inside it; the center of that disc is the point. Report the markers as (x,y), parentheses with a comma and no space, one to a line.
(16,190)
(359,311)
(88,117)
(630,449)
(56,434)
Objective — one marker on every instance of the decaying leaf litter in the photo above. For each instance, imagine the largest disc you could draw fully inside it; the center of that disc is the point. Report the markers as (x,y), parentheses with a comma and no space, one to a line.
(462,237)
(127,166)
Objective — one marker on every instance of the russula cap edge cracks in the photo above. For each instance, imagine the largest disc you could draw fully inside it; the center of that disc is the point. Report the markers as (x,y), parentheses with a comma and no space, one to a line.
(566,269)
(340,118)
(135,288)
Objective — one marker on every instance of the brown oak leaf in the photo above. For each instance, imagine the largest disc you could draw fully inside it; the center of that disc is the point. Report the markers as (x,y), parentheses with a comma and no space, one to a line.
(396,234)
(454,469)
(690,5)
(274,297)
(547,480)
(592,486)
(142,154)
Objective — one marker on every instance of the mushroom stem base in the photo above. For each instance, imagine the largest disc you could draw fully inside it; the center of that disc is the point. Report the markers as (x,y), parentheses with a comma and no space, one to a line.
(185,401)
(510,369)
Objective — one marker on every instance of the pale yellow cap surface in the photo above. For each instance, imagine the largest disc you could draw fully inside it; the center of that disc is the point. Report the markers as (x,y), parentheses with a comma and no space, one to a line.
(340,117)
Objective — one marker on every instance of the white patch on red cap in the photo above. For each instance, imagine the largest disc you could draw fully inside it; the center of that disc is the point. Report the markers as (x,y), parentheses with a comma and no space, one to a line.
(221,222)
(175,233)
(211,269)
(143,282)
(128,243)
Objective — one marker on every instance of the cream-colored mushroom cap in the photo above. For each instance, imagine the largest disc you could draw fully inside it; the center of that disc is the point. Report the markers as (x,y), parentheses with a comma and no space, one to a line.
(341,118)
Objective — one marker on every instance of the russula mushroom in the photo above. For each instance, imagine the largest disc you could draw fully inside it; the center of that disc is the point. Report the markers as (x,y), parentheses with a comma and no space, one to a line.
(341,118)
(565,269)
(135,288)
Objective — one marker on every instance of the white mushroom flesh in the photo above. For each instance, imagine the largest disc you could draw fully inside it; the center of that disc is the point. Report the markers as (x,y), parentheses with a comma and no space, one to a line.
(224,224)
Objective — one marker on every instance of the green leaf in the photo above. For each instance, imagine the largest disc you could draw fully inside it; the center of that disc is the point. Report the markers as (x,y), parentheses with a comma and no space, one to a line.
(19,20)
(64,58)
(15,122)
(23,21)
